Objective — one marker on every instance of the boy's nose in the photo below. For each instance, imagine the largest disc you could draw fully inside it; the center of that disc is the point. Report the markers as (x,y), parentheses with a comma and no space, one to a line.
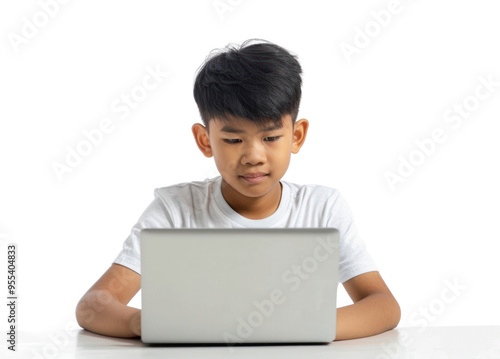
(253,154)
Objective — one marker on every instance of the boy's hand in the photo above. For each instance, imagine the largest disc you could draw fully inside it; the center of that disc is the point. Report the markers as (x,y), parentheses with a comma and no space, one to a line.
(103,308)
(374,311)
(135,323)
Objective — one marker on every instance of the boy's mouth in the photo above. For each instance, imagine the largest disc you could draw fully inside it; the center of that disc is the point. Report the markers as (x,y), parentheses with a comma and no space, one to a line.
(254,177)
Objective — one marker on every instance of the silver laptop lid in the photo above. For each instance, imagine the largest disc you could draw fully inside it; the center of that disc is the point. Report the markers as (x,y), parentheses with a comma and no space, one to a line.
(231,285)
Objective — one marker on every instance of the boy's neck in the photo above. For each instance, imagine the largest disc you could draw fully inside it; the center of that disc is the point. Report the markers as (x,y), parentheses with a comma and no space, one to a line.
(252,207)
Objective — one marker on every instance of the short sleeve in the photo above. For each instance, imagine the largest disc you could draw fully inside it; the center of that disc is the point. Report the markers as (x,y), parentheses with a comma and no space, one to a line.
(354,258)
(156,215)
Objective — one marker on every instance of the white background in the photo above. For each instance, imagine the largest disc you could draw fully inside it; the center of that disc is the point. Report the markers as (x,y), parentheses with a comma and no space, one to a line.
(438,226)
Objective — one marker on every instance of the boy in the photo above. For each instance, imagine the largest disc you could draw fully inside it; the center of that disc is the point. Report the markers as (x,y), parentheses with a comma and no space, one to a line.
(248,100)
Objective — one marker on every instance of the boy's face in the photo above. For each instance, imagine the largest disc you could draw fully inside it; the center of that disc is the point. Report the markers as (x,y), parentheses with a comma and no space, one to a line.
(251,159)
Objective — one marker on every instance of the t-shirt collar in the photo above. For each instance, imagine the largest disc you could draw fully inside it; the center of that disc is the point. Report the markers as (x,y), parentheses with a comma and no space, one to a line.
(271,221)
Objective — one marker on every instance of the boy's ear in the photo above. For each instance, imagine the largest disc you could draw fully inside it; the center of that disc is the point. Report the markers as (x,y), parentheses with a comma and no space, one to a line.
(200,134)
(299,134)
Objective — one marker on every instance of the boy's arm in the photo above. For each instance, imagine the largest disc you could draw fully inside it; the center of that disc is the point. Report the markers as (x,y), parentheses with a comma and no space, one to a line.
(374,311)
(103,309)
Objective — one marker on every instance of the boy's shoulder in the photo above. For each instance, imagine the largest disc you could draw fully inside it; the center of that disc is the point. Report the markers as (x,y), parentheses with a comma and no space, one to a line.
(183,189)
(315,191)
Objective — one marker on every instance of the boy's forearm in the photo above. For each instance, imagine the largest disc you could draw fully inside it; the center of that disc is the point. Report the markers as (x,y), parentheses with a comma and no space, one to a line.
(372,315)
(100,313)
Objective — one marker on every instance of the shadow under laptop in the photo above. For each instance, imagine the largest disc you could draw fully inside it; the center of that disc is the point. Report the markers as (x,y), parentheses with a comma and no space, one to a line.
(232,344)
(89,340)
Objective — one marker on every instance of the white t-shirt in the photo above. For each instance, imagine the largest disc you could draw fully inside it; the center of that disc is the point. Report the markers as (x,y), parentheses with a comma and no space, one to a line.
(200,204)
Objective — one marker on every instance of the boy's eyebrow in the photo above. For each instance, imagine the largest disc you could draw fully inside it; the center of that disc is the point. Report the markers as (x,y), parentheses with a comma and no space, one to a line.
(269,128)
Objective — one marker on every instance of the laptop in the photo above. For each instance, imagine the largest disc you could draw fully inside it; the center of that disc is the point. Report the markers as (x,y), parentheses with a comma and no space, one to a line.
(239,285)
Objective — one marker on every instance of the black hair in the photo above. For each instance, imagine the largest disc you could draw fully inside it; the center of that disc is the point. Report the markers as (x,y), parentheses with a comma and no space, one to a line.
(256,82)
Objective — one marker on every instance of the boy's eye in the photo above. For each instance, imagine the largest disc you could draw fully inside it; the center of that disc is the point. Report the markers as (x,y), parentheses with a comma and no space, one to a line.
(230,140)
(272,138)
(235,140)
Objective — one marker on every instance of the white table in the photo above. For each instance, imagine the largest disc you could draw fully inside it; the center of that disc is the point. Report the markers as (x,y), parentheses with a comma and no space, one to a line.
(409,343)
